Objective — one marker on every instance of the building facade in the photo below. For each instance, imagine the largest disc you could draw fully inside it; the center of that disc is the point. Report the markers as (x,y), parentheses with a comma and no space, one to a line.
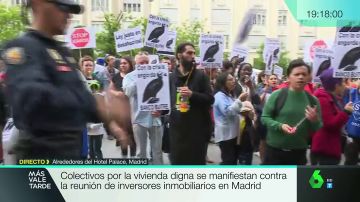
(272,19)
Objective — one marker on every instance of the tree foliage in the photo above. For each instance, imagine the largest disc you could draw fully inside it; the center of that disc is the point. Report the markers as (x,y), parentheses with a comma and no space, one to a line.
(186,32)
(105,43)
(11,24)
(190,32)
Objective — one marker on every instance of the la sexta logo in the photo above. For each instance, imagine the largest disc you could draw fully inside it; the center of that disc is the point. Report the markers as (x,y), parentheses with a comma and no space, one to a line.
(316,181)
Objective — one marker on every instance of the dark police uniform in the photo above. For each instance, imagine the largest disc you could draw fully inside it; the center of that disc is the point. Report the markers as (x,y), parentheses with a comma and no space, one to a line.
(50,103)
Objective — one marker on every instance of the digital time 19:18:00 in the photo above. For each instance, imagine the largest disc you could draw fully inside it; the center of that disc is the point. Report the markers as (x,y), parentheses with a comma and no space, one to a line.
(325,14)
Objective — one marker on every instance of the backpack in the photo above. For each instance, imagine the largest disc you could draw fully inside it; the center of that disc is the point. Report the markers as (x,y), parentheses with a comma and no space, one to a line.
(281,99)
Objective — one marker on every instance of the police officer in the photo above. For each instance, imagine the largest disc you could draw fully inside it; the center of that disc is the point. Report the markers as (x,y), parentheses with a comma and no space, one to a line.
(51,106)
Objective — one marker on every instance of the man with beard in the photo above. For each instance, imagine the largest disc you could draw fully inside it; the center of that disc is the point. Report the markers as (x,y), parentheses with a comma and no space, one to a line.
(290,115)
(191,99)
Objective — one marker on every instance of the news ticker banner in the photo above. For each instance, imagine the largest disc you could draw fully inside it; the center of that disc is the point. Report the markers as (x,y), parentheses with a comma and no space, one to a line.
(179,183)
(325,13)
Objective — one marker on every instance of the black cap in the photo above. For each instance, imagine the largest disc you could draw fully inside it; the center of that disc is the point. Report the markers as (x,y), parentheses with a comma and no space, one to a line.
(70,5)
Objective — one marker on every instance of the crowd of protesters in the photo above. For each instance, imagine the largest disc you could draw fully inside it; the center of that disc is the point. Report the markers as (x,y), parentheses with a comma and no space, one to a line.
(285,121)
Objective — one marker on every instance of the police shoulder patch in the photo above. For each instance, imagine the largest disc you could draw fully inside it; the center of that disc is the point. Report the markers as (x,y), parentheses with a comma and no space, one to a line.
(14,56)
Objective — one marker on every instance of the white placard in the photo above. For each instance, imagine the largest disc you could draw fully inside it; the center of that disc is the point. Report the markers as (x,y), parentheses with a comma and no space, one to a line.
(271,54)
(83,37)
(347,54)
(278,71)
(154,59)
(152,82)
(128,39)
(211,50)
(322,61)
(272,47)
(240,51)
(311,45)
(169,48)
(156,32)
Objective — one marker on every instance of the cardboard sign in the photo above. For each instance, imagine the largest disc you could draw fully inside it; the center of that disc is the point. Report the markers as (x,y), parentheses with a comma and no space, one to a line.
(312,45)
(271,54)
(322,61)
(347,53)
(156,32)
(169,48)
(240,51)
(278,71)
(79,38)
(128,39)
(211,50)
(152,82)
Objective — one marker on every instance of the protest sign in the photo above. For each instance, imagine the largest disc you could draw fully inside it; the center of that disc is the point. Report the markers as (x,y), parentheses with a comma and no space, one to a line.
(311,45)
(156,32)
(211,50)
(128,39)
(83,37)
(271,53)
(278,71)
(169,48)
(152,82)
(347,53)
(322,62)
(240,52)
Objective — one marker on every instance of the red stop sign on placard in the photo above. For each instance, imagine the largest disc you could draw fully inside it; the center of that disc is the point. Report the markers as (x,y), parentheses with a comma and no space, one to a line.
(80,38)
(317,44)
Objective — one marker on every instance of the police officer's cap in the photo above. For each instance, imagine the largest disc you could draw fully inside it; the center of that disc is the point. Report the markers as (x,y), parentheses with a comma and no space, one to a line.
(69,6)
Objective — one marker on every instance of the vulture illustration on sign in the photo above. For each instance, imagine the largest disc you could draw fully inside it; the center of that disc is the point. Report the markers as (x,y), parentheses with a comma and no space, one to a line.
(210,52)
(324,66)
(154,61)
(349,59)
(168,43)
(276,52)
(269,61)
(152,89)
(156,33)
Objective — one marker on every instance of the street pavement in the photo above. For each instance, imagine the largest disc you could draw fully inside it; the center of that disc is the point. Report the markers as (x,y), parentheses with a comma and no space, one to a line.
(111,151)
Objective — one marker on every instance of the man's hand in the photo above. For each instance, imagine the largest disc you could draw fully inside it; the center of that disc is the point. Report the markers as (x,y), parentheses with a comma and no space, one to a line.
(101,108)
(185,91)
(113,109)
(311,114)
(121,135)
